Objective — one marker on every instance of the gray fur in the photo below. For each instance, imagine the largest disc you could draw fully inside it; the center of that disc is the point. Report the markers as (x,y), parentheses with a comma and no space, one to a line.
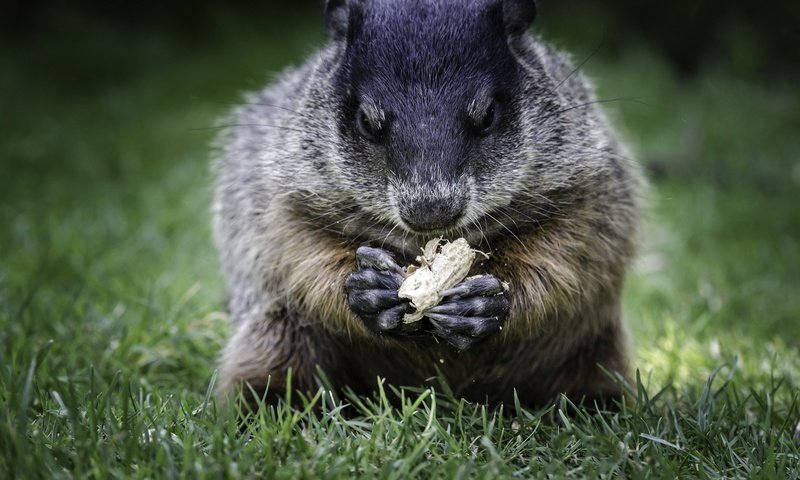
(556,207)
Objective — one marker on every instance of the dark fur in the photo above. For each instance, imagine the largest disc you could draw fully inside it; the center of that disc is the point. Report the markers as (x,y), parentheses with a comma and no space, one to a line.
(547,189)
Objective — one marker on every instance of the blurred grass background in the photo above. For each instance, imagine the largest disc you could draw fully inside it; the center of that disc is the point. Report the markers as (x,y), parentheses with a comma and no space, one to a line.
(106,112)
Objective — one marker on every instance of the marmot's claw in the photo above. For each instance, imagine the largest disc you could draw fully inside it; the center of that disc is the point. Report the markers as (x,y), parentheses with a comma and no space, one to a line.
(461,342)
(377,258)
(372,292)
(390,319)
(370,278)
(477,327)
(471,311)
(474,286)
(477,306)
(372,301)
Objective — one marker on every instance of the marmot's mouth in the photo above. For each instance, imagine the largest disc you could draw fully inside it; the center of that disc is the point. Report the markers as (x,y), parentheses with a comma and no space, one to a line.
(408,244)
(439,231)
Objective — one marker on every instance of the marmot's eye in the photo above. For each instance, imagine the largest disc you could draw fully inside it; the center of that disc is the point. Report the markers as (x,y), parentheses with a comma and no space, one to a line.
(372,127)
(486,120)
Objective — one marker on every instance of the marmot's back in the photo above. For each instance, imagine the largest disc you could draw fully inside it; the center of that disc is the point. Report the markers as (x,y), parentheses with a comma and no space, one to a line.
(422,119)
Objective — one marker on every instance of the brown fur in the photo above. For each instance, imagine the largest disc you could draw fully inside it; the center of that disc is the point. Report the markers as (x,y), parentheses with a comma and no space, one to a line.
(564,324)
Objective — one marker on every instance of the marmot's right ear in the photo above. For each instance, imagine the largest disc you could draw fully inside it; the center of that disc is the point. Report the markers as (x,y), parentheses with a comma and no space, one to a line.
(337,18)
(518,15)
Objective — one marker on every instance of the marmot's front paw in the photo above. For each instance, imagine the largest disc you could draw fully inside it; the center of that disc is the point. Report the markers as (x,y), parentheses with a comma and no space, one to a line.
(372,292)
(470,311)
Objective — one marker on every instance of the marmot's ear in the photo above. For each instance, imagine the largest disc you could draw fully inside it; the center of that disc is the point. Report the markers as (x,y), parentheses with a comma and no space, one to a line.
(337,18)
(518,15)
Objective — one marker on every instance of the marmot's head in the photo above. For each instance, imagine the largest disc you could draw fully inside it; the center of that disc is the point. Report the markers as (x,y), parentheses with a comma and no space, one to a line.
(431,104)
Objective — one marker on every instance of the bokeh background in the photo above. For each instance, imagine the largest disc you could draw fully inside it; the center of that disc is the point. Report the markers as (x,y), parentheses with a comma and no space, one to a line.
(107,110)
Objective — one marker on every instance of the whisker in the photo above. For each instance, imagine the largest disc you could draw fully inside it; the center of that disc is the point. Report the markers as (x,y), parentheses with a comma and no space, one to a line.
(477,225)
(405,236)
(236,125)
(499,210)
(520,213)
(270,105)
(580,65)
(588,104)
(350,219)
(388,234)
(489,215)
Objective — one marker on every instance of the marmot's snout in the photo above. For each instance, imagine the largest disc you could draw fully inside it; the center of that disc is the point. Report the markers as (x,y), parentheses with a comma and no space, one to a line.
(430,206)
(427,214)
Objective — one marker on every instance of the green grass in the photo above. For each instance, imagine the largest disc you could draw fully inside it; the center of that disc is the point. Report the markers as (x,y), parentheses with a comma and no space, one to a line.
(111,301)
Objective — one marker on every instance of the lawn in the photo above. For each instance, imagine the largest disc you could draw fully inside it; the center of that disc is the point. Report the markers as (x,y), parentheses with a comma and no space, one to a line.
(111,303)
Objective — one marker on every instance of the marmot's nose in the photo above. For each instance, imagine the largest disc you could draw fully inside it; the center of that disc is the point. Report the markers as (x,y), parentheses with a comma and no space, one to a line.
(432,213)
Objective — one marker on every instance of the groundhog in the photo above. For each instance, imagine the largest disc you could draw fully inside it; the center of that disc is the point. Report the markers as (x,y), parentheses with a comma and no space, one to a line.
(422,119)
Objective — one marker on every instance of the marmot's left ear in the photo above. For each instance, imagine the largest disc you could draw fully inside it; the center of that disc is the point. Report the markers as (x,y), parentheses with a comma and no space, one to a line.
(518,15)
(337,18)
